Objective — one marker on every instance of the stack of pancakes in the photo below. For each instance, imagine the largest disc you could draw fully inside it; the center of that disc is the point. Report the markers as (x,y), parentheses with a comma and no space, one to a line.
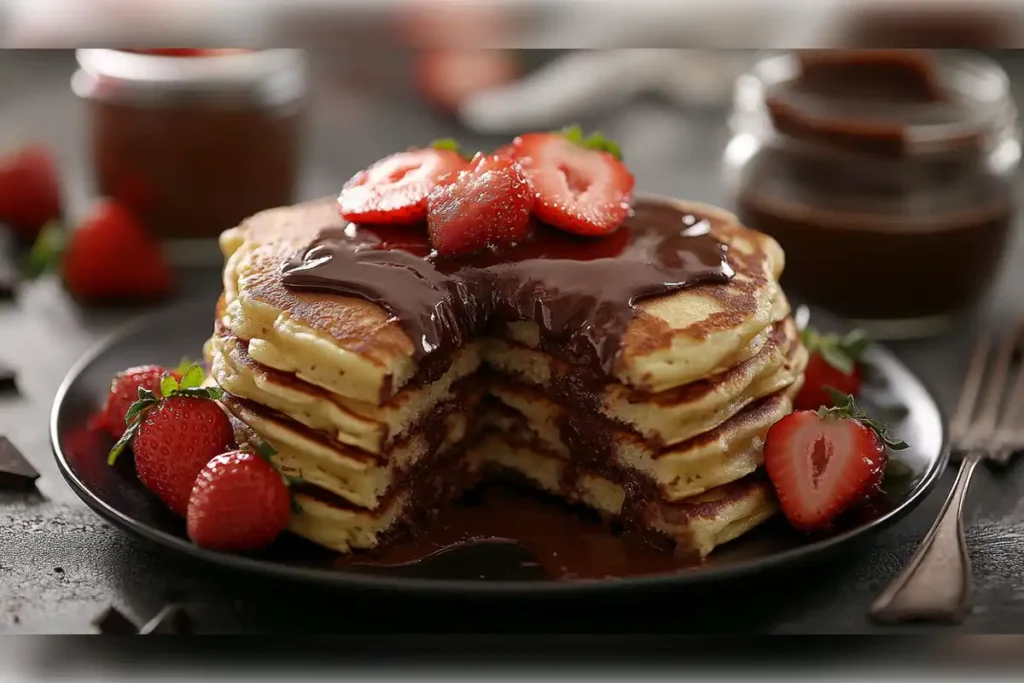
(670,442)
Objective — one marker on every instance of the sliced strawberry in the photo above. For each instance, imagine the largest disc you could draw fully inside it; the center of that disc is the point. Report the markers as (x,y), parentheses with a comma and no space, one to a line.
(581,184)
(834,362)
(110,256)
(485,206)
(395,189)
(30,193)
(823,463)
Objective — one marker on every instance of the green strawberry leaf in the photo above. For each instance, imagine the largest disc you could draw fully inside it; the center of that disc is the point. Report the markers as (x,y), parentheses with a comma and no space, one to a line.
(450,144)
(193,377)
(573,133)
(845,408)
(183,366)
(47,252)
(265,450)
(837,359)
(897,469)
(168,385)
(595,141)
(842,353)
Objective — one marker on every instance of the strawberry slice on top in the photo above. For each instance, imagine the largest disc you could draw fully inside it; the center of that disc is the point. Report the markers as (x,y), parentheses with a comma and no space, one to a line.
(835,361)
(485,206)
(394,190)
(822,463)
(580,184)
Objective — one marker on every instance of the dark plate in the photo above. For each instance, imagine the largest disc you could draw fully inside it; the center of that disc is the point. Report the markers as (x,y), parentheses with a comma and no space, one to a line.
(118,497)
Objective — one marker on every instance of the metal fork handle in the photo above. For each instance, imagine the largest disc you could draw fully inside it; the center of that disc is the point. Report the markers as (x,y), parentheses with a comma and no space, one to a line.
(936,584)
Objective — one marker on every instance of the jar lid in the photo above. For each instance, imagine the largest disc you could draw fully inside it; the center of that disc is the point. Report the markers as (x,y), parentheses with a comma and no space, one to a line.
(265,78)
(934,102)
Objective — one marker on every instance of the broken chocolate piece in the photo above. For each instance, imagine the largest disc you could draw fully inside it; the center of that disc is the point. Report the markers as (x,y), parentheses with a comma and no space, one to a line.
(8,379)
(9,274)
(172,620)
(16,473)
(114,623)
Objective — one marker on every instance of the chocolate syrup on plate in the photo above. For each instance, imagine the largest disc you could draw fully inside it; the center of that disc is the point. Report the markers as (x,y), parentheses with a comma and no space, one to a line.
(580,291)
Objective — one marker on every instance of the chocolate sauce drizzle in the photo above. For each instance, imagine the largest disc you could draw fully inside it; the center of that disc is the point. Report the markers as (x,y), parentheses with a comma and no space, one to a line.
(581,292)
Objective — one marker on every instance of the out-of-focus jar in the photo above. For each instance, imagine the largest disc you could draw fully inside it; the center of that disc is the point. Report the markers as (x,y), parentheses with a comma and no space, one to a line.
(886,176)
(194,143)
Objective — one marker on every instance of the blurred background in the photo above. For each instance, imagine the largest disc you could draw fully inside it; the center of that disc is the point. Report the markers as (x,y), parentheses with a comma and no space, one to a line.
(193,140)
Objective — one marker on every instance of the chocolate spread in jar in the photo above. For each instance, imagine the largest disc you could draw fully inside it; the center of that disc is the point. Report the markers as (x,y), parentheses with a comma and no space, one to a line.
(880,184)
(579,291)
(194,141)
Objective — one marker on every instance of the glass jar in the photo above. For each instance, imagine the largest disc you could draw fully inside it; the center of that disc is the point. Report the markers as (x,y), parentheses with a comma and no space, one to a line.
(886,176)
(195,143)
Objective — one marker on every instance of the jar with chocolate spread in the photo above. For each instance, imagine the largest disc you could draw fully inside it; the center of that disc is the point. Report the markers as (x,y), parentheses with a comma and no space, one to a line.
(886,176)
(194,143)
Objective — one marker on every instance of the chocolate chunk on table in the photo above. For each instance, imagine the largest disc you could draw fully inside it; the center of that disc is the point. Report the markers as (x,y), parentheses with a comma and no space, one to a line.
(16,473)
(172,620)
(8,378)
(10,276)
(114,623)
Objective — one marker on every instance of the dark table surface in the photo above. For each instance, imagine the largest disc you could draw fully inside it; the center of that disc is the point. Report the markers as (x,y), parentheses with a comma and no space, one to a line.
(60,565)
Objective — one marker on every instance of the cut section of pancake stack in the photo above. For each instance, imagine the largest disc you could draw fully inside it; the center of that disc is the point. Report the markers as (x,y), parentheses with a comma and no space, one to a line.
(670,442)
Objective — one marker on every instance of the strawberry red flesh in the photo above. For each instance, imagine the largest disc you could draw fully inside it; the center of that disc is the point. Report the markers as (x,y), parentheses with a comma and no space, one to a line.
(486,206)
(820,467)
(823,463)
(578,189)
(394,190)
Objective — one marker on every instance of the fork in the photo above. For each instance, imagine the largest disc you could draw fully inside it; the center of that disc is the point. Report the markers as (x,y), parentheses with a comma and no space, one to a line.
(936,585)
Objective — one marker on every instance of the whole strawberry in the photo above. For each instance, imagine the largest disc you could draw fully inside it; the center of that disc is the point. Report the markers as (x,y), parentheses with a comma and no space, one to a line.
(124,391)
(173,437)
(834,362)
(239,502)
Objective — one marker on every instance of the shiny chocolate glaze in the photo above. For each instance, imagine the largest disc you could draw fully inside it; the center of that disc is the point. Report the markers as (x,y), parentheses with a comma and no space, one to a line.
(581,292)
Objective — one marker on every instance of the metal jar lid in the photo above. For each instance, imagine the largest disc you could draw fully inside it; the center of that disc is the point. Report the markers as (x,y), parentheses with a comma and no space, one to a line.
(247,78)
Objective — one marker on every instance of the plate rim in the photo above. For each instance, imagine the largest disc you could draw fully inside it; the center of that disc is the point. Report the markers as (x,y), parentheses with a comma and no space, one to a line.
(338,579)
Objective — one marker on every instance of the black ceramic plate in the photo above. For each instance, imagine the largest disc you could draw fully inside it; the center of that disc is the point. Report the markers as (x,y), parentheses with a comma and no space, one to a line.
(164,338)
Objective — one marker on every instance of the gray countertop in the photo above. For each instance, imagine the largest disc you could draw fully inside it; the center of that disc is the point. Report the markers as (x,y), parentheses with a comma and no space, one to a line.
(60,565)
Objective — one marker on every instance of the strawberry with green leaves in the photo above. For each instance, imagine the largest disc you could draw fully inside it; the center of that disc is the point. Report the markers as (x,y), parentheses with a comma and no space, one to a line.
(124,391)
(835,361)
(174,435)
(108,257)
(240,502)
(580,184)
(824,462)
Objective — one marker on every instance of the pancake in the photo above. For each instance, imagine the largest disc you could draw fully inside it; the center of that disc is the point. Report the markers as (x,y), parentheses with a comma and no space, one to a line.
(698,524)
(361,478)
(675,415)
(368,426)
(724,454)
(364,353)
(333,521)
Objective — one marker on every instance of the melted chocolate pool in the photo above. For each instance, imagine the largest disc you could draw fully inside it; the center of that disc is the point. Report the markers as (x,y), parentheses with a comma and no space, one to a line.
(580,291)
